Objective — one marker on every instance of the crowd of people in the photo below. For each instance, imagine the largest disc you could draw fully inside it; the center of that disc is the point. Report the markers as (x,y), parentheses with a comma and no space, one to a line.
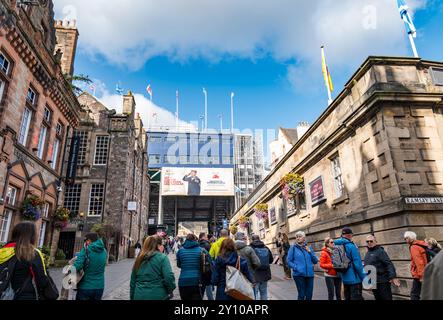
(203,262)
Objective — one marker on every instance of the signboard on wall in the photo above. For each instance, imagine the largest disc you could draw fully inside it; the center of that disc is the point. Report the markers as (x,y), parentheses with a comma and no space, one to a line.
(317,191)
(272,215)
(197,182)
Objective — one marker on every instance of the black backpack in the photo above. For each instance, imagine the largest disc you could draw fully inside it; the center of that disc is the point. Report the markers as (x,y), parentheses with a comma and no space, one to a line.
(429,253)
(6,272)
(205,268)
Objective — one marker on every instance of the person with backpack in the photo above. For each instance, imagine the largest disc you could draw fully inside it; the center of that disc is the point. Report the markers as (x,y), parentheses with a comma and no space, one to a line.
(301,259)
(206,278)
(247,252)
(333,281)
(92,261)
(420,257)
(433,245)
(263,273)
(189,261)
(347,262)
(227,256)
(386,274)
(23,274)
(152,277)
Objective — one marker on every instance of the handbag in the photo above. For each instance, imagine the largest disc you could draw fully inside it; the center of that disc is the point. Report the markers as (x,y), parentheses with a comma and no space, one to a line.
(51,290)
(237,285)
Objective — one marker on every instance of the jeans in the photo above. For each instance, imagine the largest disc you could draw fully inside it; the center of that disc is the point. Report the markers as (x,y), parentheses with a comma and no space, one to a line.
(333,285)
(353,292)
(209,292)
(383,291)
(89,294)
(261,288)
(305,287)
(416,290)
(190,293)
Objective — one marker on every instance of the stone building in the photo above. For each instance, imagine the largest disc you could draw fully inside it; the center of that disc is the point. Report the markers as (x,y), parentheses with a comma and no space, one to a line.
(37,113)
(372,161)
(110,172)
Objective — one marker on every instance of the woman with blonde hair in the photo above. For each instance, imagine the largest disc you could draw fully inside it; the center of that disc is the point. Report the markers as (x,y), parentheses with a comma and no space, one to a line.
(433,245)
(152,277)
(285,250)
(29,278)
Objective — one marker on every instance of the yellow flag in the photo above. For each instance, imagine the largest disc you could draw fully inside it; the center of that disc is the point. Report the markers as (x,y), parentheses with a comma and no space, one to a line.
(325,70)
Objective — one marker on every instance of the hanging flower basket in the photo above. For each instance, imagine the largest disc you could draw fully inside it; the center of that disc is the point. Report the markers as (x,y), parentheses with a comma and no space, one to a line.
(261,211)
(292,184)
(243,222)
(32,208)
(61,218)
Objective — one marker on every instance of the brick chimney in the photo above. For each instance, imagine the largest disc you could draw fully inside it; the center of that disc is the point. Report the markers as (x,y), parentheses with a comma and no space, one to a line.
(128,104)
(67,36)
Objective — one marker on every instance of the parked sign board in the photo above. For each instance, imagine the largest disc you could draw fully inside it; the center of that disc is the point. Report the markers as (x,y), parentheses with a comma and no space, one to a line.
(317,190)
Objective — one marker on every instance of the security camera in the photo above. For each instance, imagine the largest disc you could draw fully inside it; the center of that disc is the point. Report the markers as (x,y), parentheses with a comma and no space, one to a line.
(59,189)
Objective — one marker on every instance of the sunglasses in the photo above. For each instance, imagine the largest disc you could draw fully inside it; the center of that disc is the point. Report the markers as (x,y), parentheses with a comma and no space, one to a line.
(370,241)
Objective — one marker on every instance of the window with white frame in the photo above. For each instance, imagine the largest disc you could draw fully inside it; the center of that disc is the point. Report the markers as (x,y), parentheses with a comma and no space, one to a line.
(5,224)
(31,96)
(4,64)
(72,198)
(83,146)
(41,239)
(59,129)
(46,210)
(101,150)
(55,153)
(42,141)
(11,195)
(24,127)
(96,200)
(337,175)
(47,114)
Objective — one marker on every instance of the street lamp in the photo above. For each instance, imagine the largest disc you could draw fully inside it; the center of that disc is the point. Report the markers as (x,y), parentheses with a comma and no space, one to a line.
(81,222)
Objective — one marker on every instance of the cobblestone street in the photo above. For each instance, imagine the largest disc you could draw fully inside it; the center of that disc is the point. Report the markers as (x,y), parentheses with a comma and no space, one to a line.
(118,277)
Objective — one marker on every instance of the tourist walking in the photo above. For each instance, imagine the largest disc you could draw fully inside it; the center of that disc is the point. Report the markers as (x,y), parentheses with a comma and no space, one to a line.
(353,277)
(247,253)
(419,260)
(301,259)
(205,244)
(215,248)
(285,245)
(262,274)
(386,274)
(152,277)
(333,281)
(228,256)
(92,260)
(189,260)
(138,248)
(29,279)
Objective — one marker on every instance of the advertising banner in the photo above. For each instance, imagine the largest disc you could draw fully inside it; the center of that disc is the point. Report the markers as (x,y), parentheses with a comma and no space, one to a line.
(317,191)
(197,182)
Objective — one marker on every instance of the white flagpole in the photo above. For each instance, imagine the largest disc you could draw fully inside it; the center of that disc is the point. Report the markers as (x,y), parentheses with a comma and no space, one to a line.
(221,122)
(414,48)
(206,108)
(177,109)
(232,112)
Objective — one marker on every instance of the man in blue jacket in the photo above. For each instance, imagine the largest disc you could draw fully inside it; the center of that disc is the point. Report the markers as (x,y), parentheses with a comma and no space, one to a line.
(301,259)
(354,276)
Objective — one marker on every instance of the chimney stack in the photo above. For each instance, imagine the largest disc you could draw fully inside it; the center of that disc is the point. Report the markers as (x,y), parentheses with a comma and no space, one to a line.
(67,36)
(128,104)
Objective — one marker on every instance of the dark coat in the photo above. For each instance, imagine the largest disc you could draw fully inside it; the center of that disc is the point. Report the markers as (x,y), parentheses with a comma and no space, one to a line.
(188,260)
(205,245)
(194,185)
(219,273)
(378,258)
(94,278)
(262,274)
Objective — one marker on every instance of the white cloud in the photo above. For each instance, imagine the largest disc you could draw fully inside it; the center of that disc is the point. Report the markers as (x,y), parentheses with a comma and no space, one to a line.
(154,117)
(131,32)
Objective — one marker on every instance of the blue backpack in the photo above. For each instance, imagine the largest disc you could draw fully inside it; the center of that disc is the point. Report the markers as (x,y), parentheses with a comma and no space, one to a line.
(263,255)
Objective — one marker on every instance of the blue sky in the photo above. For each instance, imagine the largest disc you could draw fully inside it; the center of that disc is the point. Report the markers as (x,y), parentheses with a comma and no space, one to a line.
(269,59)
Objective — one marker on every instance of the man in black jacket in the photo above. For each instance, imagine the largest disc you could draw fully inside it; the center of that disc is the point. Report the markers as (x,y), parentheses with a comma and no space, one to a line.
(194,183)
(386,274)
(263,274)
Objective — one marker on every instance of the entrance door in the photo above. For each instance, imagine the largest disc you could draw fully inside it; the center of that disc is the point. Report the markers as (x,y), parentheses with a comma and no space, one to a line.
(67,244)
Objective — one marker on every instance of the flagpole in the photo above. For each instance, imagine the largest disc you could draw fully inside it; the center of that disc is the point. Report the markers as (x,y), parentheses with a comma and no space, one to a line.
(326,75)
(221,122)
(206,108)
(176,110)
(232,112)
(414,48)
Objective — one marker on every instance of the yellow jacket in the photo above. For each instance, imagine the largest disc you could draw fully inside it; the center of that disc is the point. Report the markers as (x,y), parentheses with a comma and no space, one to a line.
(7,253)
(215,248)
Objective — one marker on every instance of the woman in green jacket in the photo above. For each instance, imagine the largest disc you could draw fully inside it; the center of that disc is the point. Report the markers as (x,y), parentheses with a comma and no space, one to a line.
(152,277)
